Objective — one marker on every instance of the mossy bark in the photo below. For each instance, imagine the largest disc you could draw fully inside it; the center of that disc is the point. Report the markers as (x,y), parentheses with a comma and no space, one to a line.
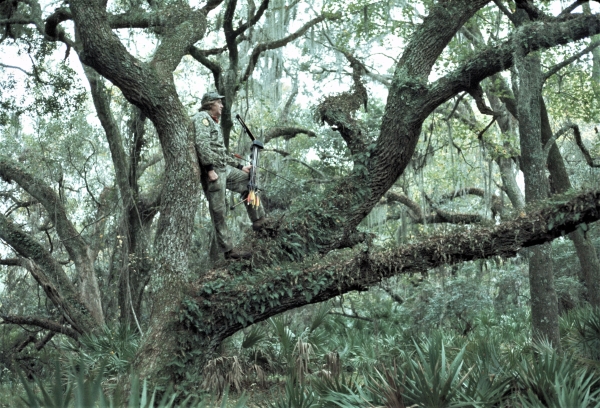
(560,183)
(544,302)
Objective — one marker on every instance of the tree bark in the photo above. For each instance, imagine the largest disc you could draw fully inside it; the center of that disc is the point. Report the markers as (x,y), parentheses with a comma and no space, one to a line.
(544,302)
(150,87)
(506,164)
(560,183)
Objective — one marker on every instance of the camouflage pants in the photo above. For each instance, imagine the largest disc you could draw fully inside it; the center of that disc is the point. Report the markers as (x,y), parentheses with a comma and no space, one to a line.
(231,179)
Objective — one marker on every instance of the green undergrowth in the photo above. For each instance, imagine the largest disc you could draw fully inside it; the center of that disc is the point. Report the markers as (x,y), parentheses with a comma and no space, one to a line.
(324,363)
(348,353)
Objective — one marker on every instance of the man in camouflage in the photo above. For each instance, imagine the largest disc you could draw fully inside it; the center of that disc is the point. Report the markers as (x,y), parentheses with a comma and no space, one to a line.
(219,171)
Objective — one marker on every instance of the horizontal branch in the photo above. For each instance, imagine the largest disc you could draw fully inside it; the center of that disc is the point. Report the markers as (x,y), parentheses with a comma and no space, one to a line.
(247,299)
(498,57)
(39,322)
(438,216)
(10,262)
(366,319)
(17,20)
(479,192)
(287,133)
(15,67)
(200,56)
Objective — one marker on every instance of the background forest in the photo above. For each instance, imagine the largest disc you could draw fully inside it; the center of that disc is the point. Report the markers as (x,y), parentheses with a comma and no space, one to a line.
(430,173)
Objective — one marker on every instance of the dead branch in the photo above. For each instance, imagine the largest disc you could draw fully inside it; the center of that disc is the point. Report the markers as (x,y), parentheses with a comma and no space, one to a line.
(39,322)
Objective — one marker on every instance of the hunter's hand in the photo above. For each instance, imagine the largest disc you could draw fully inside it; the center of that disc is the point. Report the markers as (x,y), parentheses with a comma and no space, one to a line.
(246,169)
(212,175)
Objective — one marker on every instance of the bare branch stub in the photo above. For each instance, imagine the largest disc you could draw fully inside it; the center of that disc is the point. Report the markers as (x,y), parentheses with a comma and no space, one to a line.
(584,150)
(40,322)
(338,111)
(287,133)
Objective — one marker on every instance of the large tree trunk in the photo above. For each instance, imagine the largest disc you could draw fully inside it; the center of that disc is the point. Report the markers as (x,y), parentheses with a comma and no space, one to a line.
(544,302)
(560,182)
(150,87)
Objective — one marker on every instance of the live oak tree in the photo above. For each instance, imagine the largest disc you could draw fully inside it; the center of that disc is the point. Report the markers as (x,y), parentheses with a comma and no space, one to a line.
(326,255)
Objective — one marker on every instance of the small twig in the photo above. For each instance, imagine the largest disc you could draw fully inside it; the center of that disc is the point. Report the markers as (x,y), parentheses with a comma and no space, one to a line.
(506,11)
(480,135)
(569,60)
(584,150)
(351,316)
(17,68)
(462,95)
(555,137)
(83,229)
(572,7)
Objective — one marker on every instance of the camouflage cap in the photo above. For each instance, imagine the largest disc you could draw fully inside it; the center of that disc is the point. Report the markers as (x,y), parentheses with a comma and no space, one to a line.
(210,96)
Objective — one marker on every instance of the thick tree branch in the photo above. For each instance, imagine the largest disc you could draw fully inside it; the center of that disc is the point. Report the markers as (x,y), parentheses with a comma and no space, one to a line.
(493,59)
(219,314)
(112,131)
(13,171)
(230,33)
(52,28)
(211,5)
(572,7)
(39,322)
(532,11)
(287,133)
(505,11)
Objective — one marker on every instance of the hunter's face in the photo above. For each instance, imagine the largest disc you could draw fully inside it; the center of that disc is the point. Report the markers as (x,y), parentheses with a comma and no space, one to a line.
(217,108)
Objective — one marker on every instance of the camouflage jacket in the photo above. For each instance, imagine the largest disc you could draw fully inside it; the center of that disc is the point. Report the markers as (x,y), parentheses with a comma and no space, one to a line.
(209,142)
